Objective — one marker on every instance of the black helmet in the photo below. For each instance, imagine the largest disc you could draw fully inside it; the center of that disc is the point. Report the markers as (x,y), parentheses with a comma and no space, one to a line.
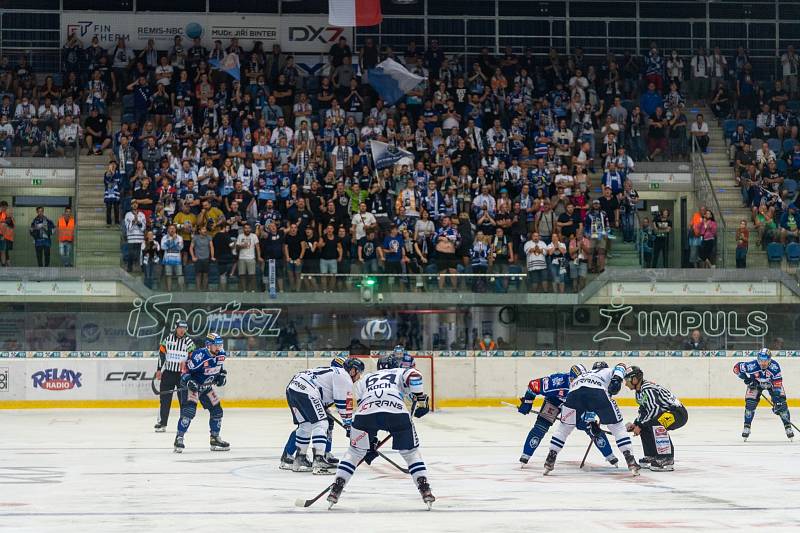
(634,372)
(352,363)
(599,365)
(387,362)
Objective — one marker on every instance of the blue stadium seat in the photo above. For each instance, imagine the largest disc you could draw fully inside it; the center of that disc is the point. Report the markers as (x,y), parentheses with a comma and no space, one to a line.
(793,254)
(788,144)
(729,126)
(190,275)
(782,166)
(775,254)
(128,103)
(790,186)
(793,105)
(749,125)
(775,146)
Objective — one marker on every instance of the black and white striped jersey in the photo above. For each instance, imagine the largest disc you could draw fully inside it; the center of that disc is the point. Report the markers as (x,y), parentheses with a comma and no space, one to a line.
(653,400)
(173,351)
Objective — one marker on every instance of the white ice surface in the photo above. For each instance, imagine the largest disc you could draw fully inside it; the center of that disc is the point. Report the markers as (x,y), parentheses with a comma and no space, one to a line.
(105,470)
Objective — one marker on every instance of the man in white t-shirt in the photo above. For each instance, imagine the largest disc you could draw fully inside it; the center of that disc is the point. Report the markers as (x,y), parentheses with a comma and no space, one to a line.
(363,220)
(249,253)
(536,259)
(700,132)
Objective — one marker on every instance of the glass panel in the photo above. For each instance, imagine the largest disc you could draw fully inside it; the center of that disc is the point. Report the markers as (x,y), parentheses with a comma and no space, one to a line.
(99,5)
(672,10)
(739,11)
(241,6)
(480,27)
(306,6)
(445,27)
(524,8)
(601,9)
(579,28)
(654,30)
(31,4)
(462,8)
(391,8)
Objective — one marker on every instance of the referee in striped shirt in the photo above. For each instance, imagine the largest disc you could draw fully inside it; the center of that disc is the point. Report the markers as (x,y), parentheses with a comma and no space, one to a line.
(172,354)
(660,411)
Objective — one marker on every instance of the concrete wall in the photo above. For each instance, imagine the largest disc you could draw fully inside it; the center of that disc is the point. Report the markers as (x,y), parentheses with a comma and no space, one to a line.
(261,382)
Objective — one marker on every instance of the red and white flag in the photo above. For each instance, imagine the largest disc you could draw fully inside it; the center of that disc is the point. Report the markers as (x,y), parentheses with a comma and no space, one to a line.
(349,13)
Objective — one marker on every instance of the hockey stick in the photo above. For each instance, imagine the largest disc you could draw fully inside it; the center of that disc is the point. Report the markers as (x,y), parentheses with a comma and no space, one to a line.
(308,503)
(534,411)
(773,406)
(583,462)
(382,455)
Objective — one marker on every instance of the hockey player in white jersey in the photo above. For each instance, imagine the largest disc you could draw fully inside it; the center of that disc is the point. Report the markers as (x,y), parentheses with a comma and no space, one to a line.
(308,393)
(591,392)
(381,408)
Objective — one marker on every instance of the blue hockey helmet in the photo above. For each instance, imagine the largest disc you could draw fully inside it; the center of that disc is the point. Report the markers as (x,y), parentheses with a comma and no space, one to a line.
(338,362)
(352,363)
(764,354)
(387,362)
(576,370)
(399,350)
(214,338)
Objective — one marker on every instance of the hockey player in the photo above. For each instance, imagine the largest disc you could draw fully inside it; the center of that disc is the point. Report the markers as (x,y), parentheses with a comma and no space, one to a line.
(554,389)
(203,371)
(406,359)
(287,458)
(660,411)
(381,408)
(764,373)
(592,392)
(308,393)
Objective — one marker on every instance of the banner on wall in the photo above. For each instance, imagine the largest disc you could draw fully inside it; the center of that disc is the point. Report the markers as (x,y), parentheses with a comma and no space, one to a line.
(296,34)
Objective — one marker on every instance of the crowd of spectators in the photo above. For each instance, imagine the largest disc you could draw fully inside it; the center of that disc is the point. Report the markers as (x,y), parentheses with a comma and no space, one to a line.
(520,162)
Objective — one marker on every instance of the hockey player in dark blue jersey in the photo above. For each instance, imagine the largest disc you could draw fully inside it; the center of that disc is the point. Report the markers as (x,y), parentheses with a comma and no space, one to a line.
(763,373)
(287,458)
(203,371)
(554,389)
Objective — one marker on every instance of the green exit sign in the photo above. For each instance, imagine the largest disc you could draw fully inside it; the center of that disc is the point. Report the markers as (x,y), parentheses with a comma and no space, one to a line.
(36,181)
(655,186)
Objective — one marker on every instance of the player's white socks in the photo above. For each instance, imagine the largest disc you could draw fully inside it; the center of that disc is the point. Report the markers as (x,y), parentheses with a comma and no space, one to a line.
(348,463)
(319,436)
(303,437)
(416,466)
(560,435)
(623,440)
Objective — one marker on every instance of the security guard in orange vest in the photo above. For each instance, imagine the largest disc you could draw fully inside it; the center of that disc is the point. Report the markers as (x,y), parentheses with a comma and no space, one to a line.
(66,236)
(6,234)
(487,343)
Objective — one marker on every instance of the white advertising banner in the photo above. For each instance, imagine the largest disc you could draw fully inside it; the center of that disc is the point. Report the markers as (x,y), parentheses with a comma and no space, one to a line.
(59,288)
(310,34)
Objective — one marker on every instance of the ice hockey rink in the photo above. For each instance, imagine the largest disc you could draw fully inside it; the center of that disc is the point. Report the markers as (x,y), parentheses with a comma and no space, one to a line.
(105,470)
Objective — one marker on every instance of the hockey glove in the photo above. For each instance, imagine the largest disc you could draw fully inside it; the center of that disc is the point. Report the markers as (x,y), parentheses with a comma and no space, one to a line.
(423,405)
(347,426)
(192,385)
(525,405)
(615,385)
(371,454)
(221,378)
(749,381)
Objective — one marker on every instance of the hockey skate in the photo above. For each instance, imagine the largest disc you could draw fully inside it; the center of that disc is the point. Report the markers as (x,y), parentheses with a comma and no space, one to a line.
(219,445)
(301,463)
(329,457)
(425,491)
(287,461)
(746,432)
(336,490)
(633,466)
(613,461)
(645,461)
(550,462)
(178,444)
(321,467)
(664,464)
(160,428)
(789,432)
(524,459)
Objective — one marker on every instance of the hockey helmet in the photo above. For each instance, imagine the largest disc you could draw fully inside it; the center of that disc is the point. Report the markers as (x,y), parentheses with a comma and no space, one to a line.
(634,372)
(399,350)
(599,365)
(181,324)
(387,362)
(214,338)
(353,363)
(576,370)
(764,354)
(338,362)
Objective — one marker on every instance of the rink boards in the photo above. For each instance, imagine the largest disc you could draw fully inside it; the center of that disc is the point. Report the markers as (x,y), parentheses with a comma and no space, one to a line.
(260,382)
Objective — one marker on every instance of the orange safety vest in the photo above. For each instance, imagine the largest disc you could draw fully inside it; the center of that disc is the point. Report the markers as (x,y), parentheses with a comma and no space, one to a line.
(491,346)
(66,230)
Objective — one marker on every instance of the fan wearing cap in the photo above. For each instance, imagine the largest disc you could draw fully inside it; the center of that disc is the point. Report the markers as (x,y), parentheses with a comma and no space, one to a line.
(660,411)
(763,373)
(203,371)
(172,354)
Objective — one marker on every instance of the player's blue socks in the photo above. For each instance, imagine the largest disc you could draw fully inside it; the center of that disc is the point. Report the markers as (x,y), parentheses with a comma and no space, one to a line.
(535,436)
(291,445)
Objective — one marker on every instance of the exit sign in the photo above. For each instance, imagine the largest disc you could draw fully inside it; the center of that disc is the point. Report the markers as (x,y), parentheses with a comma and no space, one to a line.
(36,181)
(655,186)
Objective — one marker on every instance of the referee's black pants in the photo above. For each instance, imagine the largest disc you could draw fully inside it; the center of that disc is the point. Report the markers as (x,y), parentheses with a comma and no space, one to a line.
(656,441)
(169,381)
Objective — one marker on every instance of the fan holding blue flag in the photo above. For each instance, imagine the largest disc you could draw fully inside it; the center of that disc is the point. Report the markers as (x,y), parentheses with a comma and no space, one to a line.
(392,81)
(229,65)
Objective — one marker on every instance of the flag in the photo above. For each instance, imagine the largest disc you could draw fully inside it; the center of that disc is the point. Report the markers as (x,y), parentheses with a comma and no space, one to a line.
(229,65)
(387,155)
(351,13)
(392,80)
